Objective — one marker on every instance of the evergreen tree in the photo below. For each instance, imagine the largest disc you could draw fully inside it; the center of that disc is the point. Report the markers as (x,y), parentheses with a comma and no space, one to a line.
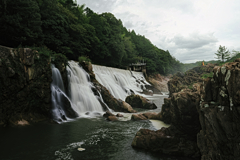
(223,54)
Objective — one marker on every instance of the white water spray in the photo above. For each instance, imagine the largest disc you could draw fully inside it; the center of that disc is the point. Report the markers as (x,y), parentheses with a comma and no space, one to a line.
(80,91)
(119,82)
(58,92)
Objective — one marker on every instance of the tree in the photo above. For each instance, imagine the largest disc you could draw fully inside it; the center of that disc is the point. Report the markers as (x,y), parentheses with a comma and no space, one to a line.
(223,54)
(20,23)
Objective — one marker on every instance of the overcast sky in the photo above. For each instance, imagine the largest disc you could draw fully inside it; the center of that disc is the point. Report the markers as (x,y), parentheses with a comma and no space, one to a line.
(191,30)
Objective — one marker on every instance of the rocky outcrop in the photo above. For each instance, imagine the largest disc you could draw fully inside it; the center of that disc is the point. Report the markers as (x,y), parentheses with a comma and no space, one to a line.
(137,101)
(181,137)
(214,103)
(25,78)
(186,80)
(165,142)
(219,114)
(147,115)
(113,103)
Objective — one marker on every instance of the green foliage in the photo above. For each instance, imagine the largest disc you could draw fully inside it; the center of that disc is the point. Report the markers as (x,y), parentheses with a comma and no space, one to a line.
(20,23)
(43,51)
(223,54)
(206,75)
(83,59)
(235,55)
(60,60)
(70,29)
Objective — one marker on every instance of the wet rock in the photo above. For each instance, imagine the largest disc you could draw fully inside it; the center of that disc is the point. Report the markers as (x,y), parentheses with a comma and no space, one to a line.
(181,137)
(112,118)
(148,115)
(152,115)
(107,114)
(137,101)
(119,115)
(165,142)
(138,117)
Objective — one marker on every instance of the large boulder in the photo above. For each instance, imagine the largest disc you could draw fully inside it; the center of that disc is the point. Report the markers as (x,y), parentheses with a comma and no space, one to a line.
(137,101)
(147,115)
(138,117)
(181,137)
(219,114)
(165,142)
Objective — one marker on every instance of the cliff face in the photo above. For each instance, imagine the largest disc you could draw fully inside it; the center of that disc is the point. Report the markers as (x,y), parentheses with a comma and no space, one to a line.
(205,118)
(219,114)
(25,79)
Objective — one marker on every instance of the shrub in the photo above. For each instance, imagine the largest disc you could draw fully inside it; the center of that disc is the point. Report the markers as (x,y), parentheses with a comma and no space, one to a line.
(83,59)
(206,75)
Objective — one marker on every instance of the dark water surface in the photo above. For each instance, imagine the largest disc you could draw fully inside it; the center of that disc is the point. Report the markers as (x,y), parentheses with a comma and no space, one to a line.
(100,138)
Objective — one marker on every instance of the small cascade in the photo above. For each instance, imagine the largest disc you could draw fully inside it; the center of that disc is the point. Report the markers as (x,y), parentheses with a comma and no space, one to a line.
(58,96)
(119,82)
(80,91)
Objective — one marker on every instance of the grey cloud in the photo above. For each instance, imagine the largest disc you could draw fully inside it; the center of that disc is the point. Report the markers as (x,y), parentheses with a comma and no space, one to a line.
(128,24)
(205,53)
(99,6)
(194,41)
(183,5)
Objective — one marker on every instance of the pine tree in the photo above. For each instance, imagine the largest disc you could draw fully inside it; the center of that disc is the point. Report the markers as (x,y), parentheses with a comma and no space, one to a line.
(223,54)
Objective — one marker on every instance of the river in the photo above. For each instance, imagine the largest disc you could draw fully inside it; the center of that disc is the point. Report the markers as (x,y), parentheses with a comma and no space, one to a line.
(101,139)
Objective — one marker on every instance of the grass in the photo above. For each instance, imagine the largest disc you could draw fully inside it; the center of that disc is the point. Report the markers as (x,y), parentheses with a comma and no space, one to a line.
(206,75)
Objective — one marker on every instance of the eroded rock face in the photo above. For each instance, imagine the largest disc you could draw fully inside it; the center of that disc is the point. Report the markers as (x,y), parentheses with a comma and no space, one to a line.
(25,80)
(137,101)
(181,137)
(220,114)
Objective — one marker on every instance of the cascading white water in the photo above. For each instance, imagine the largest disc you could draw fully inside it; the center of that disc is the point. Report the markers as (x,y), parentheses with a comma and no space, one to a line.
(58,92)
(80,91)
(120,82)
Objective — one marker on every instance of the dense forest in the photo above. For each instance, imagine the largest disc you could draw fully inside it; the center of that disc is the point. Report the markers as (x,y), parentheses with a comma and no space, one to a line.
(63,26)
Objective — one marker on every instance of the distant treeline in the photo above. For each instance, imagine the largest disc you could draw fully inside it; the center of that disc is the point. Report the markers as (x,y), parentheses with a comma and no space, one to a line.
(73,30)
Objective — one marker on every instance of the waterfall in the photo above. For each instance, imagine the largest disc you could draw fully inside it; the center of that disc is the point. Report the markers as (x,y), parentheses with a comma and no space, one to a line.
(80,91)
(119,82)
(58,94)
